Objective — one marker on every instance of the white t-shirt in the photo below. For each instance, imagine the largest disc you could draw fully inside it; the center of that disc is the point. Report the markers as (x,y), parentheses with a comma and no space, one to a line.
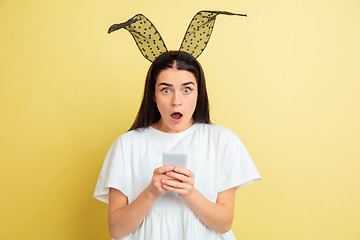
(216,156)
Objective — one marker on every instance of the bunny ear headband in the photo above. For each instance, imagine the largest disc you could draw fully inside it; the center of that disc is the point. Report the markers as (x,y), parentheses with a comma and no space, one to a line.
(151,44)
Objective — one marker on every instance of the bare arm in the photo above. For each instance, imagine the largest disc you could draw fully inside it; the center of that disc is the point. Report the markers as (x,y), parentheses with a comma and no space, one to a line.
(218,216)
(124,218)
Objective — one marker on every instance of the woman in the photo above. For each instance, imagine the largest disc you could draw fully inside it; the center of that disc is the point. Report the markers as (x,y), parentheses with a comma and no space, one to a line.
(150,201)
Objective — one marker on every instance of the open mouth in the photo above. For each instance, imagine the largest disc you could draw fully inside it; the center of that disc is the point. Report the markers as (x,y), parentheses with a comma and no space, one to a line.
(176,115)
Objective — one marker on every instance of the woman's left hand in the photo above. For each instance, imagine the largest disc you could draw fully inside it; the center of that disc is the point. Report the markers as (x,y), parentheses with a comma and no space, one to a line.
(183,183)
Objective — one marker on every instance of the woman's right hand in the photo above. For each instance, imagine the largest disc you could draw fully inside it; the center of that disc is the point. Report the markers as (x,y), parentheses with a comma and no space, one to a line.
(125,217)
(155,186)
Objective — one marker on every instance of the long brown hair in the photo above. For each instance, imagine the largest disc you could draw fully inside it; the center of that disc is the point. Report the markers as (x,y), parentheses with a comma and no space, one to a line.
(148,112)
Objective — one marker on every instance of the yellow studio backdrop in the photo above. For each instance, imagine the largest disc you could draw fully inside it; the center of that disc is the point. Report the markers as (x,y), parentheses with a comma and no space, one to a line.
(285,79)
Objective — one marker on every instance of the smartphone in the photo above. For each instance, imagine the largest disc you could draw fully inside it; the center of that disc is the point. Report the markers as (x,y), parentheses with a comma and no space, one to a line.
(178,159)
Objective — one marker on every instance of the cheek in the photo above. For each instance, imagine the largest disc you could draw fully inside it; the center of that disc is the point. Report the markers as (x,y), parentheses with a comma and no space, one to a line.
(160,106)
(193,101)
(160,103)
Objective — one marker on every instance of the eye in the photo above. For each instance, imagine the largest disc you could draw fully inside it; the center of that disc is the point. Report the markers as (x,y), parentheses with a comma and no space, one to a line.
(187,90)
(165,90)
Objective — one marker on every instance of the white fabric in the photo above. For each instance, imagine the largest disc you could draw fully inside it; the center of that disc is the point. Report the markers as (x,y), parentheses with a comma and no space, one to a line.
(216,156)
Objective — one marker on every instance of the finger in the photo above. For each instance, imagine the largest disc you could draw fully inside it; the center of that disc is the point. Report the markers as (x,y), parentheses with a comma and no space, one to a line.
(162,190)
(175,190)
(166,177)
(164,169)
(183,171)
(176,184)
(181,177)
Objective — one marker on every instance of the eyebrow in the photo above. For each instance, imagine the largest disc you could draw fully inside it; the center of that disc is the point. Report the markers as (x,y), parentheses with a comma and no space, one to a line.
(170,85)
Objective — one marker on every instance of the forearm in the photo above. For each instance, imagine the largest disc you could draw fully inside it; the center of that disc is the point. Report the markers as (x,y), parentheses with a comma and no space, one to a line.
(125,220)
(213,215)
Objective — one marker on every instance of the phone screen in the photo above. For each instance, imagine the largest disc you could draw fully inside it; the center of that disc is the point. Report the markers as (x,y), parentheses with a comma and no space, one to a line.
(178,159)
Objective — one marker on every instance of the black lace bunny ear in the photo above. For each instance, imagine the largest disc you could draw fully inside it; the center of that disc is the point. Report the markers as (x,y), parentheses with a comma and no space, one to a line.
(145,34)
(199,31)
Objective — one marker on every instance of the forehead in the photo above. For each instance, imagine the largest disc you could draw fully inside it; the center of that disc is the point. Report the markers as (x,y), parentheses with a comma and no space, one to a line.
(175,77)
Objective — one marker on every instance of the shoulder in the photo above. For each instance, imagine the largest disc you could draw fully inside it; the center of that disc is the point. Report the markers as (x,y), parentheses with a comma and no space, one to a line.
(217,130)
(222,138)
(131,136)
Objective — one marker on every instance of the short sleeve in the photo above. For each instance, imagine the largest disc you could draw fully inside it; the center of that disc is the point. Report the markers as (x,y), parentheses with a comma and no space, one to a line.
(112,174)
(237,168)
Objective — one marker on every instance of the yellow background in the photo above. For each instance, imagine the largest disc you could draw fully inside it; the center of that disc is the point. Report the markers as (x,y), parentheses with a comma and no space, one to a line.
(285,79)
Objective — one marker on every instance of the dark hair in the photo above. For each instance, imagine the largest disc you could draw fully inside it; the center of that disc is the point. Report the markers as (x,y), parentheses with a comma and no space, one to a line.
(148,112)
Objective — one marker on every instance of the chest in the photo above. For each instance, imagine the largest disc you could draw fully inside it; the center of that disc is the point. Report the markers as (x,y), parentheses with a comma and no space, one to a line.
(203,159)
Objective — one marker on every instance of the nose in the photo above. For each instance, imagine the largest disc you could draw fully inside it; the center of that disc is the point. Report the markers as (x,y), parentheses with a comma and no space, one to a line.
(177,99)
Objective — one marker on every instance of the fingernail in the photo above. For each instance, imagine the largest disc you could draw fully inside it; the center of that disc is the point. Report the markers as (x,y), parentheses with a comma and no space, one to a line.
(163,181)
(176,169)
(167,173)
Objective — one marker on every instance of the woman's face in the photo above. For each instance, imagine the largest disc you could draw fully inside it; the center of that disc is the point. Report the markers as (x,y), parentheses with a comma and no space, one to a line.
(175,96)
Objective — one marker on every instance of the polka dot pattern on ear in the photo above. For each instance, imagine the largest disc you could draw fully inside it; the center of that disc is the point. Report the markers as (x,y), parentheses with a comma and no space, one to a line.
(151,44)
(146,36)
(199,31)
